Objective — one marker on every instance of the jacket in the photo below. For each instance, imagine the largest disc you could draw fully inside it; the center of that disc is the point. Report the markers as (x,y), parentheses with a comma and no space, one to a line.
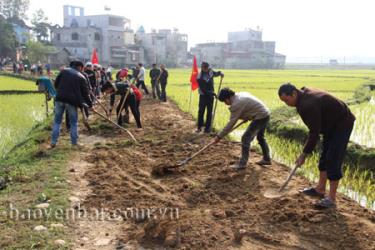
(92,78)
(206,82)
(71,87)
(154,74)
(121,88)
(137,93)
(245,107)
(163,77)
(322,113)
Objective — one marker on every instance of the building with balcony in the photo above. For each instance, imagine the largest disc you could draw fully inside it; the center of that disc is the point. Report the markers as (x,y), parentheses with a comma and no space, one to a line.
(110,35)
(244,50)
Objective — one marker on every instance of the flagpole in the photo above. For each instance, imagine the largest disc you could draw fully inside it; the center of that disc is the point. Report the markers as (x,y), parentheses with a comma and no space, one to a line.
(191,94)
(193,81)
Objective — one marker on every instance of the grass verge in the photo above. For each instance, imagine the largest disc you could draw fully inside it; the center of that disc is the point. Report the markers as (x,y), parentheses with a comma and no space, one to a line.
(34,175)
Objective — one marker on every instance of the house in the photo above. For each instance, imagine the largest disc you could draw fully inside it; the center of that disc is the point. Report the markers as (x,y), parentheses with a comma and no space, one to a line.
(21,30)
(109,34)
(164,46)
(244,50)
(59,58)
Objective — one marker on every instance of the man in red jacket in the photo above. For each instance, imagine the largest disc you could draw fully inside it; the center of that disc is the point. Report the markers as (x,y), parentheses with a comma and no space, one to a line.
(323,114)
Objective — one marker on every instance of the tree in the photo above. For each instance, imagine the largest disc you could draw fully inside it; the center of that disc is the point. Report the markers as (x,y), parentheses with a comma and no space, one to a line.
(14,8)
(8,40)
(40,25)
(37,51)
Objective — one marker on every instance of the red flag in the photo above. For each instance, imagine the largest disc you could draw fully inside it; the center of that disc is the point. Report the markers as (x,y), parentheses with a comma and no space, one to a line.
(94,57)
(194,75)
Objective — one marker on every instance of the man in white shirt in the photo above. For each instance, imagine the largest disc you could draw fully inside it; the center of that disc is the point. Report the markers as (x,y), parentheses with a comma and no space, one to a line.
(246,107)
(141,78)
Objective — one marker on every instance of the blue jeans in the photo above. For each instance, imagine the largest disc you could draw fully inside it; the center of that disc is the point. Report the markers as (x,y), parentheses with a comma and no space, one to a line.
(73,118)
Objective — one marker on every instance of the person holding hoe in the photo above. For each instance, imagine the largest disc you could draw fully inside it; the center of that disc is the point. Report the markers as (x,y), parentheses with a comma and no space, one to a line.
(207,94)
(128,98)
(71,93)
(323,114)
(246,107)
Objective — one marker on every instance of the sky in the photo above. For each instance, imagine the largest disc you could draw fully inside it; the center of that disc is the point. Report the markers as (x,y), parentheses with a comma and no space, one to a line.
(304,30)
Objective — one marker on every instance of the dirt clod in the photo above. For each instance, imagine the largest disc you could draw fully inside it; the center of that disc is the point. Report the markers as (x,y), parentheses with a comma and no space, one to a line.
(161,170)
(238,235)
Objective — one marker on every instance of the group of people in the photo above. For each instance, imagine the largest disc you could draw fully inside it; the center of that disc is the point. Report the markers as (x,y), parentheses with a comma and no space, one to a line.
(81,86)
(4,61)
(159,79)
(36,69)
(97,76)
(322,113)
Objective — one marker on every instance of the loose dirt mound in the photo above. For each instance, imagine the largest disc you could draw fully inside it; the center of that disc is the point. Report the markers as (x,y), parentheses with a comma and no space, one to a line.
(216,207)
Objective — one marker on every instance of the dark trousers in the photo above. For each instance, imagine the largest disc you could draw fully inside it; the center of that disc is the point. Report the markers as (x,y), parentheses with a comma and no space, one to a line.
(256,128)
(333,151)
(155,89)
(144,87)
(205,103)
(163,95)
(132,103)
(138,103)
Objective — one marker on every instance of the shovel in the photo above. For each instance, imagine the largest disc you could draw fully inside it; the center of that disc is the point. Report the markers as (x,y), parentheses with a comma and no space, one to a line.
(271,193)
(100,104)
(85,121)
(157,170)
(118,126)
(215,106)
(181,163)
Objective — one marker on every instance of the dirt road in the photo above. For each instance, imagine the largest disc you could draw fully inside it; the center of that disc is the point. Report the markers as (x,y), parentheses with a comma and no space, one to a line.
(204,205)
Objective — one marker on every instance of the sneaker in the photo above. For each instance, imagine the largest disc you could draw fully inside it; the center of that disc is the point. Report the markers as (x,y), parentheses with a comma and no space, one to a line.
(198,130)
(51,146)
(311,192)
(264,162)
(77,146)
(207,131)
(238,166)
(324,204)
(138,129)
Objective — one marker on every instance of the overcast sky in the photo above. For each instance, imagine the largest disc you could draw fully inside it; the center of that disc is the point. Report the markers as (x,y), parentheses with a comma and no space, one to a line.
(304,30)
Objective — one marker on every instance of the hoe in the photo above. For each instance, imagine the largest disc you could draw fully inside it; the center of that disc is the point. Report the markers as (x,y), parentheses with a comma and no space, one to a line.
(162,169)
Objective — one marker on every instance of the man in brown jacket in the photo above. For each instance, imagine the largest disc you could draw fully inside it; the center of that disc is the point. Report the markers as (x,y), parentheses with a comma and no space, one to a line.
(323,114)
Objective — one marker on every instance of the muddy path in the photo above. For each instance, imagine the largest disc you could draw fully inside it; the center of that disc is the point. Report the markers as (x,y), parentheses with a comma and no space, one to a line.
(203,205)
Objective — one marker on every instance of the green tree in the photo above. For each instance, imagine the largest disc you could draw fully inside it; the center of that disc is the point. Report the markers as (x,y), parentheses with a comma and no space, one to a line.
(37,51)
(14,8)
(40,25)
(8,40)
